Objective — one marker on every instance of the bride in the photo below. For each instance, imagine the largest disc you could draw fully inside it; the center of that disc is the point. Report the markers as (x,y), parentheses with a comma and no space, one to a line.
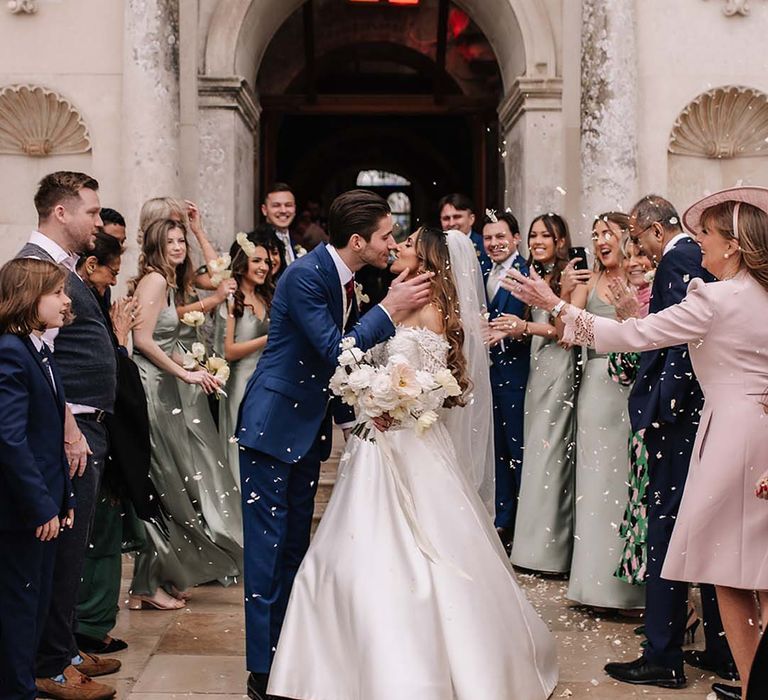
(406,591)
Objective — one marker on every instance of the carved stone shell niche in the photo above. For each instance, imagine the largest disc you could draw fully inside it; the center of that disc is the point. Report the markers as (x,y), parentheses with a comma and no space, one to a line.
(727,122)
(37,122)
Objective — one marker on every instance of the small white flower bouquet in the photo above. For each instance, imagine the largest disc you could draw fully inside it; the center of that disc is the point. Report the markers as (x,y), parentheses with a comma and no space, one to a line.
(411,397)
(193,319)
(219,269)
(198,358)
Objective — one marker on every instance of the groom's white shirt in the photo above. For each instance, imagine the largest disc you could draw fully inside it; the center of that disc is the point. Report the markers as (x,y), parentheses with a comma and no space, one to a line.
(345,275)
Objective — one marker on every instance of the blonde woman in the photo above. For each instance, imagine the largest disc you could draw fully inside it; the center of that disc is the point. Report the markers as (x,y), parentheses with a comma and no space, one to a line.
(201,538)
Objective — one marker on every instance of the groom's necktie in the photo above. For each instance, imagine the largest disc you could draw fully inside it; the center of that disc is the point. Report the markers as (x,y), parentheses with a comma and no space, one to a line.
(494,277)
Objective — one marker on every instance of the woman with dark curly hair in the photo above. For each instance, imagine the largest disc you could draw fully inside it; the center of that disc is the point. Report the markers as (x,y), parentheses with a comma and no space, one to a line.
(241,332)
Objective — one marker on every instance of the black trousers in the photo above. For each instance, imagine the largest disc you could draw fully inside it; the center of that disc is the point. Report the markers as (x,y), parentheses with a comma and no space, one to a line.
(26,580)
(670,447)
(57,644)
(758,677)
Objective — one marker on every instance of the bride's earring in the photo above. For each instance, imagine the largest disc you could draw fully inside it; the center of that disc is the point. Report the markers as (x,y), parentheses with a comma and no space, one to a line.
(727,255)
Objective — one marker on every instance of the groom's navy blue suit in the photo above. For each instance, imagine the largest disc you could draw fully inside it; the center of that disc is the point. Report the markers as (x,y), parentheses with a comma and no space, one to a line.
(284,433)
(666,400)
(509,377)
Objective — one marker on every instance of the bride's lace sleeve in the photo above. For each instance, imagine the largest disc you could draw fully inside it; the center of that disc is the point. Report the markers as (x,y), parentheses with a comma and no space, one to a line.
(433,351)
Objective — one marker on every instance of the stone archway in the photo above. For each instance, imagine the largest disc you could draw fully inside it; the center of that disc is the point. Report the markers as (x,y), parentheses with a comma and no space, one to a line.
(520,32)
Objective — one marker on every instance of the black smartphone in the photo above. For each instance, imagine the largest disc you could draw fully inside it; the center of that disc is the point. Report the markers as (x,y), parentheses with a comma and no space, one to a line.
(579,251)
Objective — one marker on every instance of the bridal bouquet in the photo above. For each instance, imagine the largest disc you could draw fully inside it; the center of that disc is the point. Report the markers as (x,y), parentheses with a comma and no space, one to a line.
(411,396)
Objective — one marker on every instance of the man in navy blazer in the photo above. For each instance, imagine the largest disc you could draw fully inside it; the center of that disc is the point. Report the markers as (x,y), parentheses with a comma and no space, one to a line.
(457,211)
(34,489)
(510,357)
(666,401)
(284,429)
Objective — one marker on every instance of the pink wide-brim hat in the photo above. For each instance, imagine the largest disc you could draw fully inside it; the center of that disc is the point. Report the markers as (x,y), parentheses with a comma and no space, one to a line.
(756,196)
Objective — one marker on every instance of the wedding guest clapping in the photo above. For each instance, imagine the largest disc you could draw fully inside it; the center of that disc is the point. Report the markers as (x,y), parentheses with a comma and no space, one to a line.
(720,531)
(241,333)
(125,488)
(36,499)
(544,523)
(509,367)
(196,488)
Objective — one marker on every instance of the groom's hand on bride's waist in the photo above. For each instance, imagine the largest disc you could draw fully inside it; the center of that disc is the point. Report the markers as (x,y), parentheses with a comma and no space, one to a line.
(407,295)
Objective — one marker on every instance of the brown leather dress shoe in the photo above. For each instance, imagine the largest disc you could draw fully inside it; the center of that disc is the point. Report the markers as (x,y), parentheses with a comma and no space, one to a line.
(97,666)
(76,686)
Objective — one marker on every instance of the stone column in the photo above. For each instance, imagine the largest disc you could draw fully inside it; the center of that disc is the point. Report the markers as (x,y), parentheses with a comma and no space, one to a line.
(228,128)
(608,109)
(150,104)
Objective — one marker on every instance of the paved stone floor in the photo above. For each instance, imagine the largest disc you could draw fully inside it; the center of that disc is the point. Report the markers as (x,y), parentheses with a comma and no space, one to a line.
(198,652)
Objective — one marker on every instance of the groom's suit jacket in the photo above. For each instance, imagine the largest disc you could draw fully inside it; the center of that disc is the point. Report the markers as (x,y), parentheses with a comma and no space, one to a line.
(666,389)
(285,409)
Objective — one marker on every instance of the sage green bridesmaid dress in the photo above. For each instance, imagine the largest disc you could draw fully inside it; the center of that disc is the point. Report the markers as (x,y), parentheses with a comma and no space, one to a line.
(544,523)
(248,327)
(201,539)
(602,432)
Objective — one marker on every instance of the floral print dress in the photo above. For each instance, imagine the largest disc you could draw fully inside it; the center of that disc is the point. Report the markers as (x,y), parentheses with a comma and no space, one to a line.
(622,367)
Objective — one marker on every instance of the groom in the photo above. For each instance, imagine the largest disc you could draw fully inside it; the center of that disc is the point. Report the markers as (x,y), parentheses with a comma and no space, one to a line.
(284,429)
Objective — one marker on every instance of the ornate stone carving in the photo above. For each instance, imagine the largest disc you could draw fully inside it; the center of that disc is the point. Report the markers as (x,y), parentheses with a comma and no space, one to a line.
(37,122)
(736,7)
(18,6)
(726,122)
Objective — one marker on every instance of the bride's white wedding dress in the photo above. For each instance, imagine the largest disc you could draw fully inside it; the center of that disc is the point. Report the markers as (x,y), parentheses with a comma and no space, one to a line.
(406,591)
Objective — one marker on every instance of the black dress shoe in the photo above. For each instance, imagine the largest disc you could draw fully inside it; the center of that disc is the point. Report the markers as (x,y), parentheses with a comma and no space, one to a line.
(257,686)
(700,659)
(727,692)
(92,645)
(643,672)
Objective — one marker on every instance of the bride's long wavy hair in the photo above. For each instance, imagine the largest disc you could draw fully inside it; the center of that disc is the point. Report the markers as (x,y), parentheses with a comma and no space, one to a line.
(432,251)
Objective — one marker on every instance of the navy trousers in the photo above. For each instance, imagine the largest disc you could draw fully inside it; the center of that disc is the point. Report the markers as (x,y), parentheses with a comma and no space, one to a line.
(26,581)
(58,645)
(278,502)
(508,416)
(670,447)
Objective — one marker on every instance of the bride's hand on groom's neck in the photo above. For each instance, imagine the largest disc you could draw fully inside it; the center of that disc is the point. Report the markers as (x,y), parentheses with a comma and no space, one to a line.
(407,295)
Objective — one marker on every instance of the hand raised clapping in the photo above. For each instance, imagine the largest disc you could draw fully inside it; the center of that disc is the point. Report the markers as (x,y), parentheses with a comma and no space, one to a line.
(624,299)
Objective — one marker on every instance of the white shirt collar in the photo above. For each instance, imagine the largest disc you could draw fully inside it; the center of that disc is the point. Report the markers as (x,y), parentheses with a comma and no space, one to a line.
(59,255)
(507,264)
(345,274)
(679,237)
(36,341)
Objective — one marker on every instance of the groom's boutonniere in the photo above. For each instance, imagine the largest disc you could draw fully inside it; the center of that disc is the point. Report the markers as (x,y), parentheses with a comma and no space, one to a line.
(649,276)
(299,251)
(360,295)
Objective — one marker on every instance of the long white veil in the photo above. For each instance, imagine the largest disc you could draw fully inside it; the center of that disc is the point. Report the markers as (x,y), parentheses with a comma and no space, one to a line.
(471,426)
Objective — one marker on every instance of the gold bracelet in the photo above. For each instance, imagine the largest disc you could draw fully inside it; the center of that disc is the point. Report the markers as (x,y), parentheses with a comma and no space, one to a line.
(73,442)
(200,301)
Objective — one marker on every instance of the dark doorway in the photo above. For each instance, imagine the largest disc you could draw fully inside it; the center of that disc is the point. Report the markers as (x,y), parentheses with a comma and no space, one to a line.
(408,90)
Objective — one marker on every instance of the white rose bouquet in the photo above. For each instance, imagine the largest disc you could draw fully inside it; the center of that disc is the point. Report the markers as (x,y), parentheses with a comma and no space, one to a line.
(411,397)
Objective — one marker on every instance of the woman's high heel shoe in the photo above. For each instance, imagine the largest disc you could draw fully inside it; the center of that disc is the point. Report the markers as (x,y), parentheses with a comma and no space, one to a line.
(691,627)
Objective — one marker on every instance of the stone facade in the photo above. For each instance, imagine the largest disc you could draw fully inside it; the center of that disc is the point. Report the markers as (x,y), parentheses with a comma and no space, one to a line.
(603,100)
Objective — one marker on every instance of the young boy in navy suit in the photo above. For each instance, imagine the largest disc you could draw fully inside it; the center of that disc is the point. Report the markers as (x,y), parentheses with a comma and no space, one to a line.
(35,492)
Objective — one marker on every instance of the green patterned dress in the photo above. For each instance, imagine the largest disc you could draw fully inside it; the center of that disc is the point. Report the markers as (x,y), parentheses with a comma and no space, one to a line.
(622,367)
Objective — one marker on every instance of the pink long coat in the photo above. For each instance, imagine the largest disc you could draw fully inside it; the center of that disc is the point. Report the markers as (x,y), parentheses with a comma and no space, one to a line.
(721,533)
